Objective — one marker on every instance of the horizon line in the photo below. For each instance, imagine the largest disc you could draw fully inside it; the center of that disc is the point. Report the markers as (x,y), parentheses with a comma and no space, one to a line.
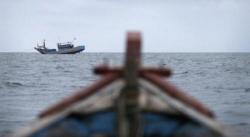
(142,52)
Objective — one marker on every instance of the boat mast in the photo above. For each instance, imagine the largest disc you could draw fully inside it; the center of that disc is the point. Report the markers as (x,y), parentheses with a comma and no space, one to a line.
(129,120)
(44,43)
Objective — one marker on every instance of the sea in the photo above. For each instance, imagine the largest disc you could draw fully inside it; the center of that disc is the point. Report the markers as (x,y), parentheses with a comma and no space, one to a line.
(31,82)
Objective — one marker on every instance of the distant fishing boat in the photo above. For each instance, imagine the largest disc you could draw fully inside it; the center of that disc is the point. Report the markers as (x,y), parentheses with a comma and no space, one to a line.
(63,48)
(128,101)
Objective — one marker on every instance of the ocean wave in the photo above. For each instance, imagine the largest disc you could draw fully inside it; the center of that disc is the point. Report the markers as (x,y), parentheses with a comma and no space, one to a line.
(242,124)
(67,71)
(59,67)
(13,84)
(237,113)
(45,72)
(247,89)
(6,133)
(180,73)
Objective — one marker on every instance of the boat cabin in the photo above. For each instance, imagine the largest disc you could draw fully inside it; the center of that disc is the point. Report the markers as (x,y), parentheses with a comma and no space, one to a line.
(62,46)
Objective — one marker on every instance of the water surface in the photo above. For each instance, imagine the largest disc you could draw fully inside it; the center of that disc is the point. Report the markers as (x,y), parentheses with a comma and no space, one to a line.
(30,82)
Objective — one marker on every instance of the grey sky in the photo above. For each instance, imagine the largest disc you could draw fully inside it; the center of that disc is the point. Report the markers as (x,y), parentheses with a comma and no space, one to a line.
(167,25)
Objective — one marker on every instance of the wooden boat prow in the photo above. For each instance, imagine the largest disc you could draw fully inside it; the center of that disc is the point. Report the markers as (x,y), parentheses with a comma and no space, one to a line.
(133,101)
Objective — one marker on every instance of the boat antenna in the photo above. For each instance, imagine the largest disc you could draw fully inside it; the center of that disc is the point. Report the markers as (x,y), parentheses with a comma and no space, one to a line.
(44,43)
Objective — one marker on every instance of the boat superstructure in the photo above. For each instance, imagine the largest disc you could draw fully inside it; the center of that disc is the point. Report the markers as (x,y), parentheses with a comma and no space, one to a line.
(63,48)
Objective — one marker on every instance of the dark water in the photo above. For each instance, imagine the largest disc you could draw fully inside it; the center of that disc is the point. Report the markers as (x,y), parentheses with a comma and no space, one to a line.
(29,82)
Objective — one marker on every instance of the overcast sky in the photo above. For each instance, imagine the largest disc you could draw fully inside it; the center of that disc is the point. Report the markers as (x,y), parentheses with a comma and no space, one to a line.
(167,25)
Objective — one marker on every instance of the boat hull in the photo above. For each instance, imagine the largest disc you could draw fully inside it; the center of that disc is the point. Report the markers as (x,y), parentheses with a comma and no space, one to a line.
(74,50)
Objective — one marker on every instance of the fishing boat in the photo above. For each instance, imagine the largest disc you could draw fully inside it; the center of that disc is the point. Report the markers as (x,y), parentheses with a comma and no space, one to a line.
(127,101)
(63,48)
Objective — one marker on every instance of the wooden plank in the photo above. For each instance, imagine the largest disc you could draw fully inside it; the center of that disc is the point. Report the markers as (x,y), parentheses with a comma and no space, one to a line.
(185,109)
(80,95)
